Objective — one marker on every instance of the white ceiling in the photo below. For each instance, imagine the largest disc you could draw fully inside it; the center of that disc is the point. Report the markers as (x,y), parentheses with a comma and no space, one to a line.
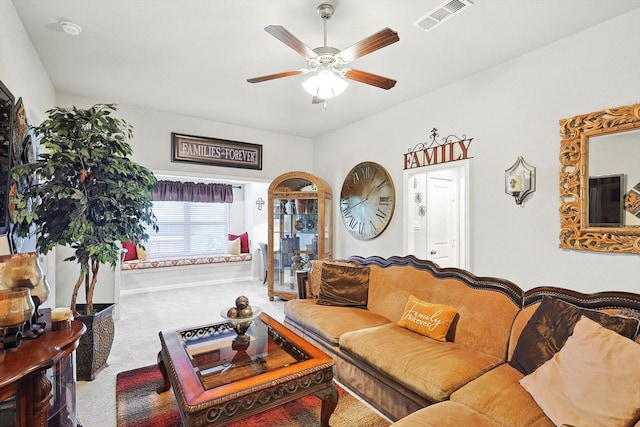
(192,57)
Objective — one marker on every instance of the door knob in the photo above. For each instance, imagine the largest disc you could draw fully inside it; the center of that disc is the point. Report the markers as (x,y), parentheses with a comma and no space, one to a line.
(433,252)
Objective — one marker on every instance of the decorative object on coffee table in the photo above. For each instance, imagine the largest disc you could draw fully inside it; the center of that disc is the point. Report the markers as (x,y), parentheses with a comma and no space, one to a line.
(241,316)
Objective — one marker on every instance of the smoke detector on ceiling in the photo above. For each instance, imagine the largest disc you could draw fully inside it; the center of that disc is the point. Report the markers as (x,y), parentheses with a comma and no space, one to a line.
(441,13)
(70,28)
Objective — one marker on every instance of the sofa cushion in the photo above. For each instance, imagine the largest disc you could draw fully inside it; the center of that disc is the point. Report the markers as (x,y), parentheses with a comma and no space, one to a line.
(485,315)
(498,395)
(330,322)
(344,285)
(550,326)
(425,318)
(445,414)
(593,380)
(432,369)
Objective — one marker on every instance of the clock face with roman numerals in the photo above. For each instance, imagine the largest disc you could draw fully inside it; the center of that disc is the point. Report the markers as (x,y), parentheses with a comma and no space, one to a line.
(367,200)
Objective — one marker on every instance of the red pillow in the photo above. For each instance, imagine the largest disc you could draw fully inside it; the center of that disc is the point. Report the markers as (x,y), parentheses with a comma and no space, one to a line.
(244,241)
(131,251)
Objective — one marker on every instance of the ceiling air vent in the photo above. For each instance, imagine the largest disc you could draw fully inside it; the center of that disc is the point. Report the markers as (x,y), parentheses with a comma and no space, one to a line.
(441,13)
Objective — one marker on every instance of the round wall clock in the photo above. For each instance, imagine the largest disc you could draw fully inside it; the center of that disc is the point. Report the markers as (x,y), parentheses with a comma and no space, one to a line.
(367,200)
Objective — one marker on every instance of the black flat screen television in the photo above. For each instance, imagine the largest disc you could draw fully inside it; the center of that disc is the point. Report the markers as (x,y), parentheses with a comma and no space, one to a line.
(606,201)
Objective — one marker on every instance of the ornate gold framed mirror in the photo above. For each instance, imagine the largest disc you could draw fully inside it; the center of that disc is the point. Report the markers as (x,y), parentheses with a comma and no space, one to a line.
(600,181)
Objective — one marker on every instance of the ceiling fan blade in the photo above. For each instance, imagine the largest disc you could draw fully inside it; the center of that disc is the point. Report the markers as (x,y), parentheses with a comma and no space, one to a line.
(282,34)
(381,39)
(275,76)
(370,79)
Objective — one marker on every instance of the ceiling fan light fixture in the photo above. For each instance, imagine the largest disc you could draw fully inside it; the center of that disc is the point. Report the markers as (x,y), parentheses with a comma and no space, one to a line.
(325,84)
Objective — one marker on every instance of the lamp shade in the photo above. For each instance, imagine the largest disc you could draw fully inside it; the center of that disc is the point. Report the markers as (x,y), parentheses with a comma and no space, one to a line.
(325,84)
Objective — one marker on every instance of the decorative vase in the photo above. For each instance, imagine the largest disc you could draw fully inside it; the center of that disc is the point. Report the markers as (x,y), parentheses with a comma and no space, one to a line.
(24,271)
(16,308)
(95,345)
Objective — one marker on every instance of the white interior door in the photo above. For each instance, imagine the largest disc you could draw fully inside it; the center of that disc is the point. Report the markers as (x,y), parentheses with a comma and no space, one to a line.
(436,214)
(442,219)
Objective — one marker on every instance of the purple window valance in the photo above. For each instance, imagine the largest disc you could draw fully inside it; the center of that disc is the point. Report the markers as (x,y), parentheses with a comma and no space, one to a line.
(175,191)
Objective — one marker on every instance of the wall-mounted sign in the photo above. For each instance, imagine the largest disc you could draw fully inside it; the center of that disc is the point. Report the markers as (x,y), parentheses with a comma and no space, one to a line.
(217,152)
(434,152)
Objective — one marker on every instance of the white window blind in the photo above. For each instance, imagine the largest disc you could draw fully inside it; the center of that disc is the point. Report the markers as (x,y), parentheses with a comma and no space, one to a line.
(189,228)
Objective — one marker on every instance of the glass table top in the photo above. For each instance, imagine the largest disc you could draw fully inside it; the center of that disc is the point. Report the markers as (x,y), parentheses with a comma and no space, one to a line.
(218,357)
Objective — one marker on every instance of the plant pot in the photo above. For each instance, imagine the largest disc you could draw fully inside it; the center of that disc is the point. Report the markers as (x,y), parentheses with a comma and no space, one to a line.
(95,345)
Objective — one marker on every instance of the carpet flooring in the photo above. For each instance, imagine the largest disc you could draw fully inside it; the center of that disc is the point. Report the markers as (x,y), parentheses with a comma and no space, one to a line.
(138,405)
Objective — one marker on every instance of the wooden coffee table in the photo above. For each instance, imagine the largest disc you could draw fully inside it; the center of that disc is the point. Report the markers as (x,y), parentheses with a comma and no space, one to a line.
(217,381)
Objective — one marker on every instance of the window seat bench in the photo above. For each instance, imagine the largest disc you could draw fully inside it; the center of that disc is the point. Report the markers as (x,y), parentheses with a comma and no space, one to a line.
(152,274)
(139,264)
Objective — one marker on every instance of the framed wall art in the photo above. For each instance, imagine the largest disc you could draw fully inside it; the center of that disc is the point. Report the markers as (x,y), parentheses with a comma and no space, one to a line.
(216,152)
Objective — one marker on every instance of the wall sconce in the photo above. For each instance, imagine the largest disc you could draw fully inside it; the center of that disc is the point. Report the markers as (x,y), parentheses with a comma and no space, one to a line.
(520,180)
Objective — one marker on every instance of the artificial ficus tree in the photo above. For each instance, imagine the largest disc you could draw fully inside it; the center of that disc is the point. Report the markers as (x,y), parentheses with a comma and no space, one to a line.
(83,192)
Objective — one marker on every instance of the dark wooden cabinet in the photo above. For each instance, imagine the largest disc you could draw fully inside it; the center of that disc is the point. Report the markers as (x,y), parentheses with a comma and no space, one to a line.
(37,382)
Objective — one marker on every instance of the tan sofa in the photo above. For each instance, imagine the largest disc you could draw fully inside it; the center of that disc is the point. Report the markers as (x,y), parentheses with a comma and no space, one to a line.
(418,380)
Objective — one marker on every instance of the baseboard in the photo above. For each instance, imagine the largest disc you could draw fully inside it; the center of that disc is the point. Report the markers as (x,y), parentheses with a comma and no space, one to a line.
(184,285)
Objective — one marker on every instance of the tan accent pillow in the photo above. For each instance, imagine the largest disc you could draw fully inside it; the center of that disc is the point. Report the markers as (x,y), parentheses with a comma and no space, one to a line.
(428,319)
(315,273)
(233,246)
(344,285)
(142,254)
(593,380)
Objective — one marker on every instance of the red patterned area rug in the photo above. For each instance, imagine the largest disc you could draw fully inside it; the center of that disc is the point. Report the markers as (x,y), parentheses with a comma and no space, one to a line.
(138,405)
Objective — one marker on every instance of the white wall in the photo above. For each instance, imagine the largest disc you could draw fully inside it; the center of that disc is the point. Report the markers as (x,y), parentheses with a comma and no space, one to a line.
(511,110)
(20,67)
(23,74)
(151,143)
(257,215)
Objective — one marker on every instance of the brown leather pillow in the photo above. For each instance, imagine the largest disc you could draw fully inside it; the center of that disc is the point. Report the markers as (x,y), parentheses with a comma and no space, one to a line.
(315,273)
(344,285)
(550,326)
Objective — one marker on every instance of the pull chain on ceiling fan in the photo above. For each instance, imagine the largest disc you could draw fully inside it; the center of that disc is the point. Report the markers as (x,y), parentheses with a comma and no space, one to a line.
(327,63)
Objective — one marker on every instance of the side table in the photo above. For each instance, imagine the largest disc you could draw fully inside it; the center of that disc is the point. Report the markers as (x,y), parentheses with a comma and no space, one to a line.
(37,382)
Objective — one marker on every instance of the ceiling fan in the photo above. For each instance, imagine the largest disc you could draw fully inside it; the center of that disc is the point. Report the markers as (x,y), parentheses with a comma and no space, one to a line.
(328,63)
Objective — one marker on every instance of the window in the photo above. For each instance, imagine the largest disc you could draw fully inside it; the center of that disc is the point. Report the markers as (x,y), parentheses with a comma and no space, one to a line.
(189,228)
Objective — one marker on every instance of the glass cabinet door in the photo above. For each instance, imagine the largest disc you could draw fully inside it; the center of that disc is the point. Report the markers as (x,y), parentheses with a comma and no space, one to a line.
(299,229)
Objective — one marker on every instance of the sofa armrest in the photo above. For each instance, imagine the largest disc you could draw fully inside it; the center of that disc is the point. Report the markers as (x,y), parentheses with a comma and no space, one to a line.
(303,283)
